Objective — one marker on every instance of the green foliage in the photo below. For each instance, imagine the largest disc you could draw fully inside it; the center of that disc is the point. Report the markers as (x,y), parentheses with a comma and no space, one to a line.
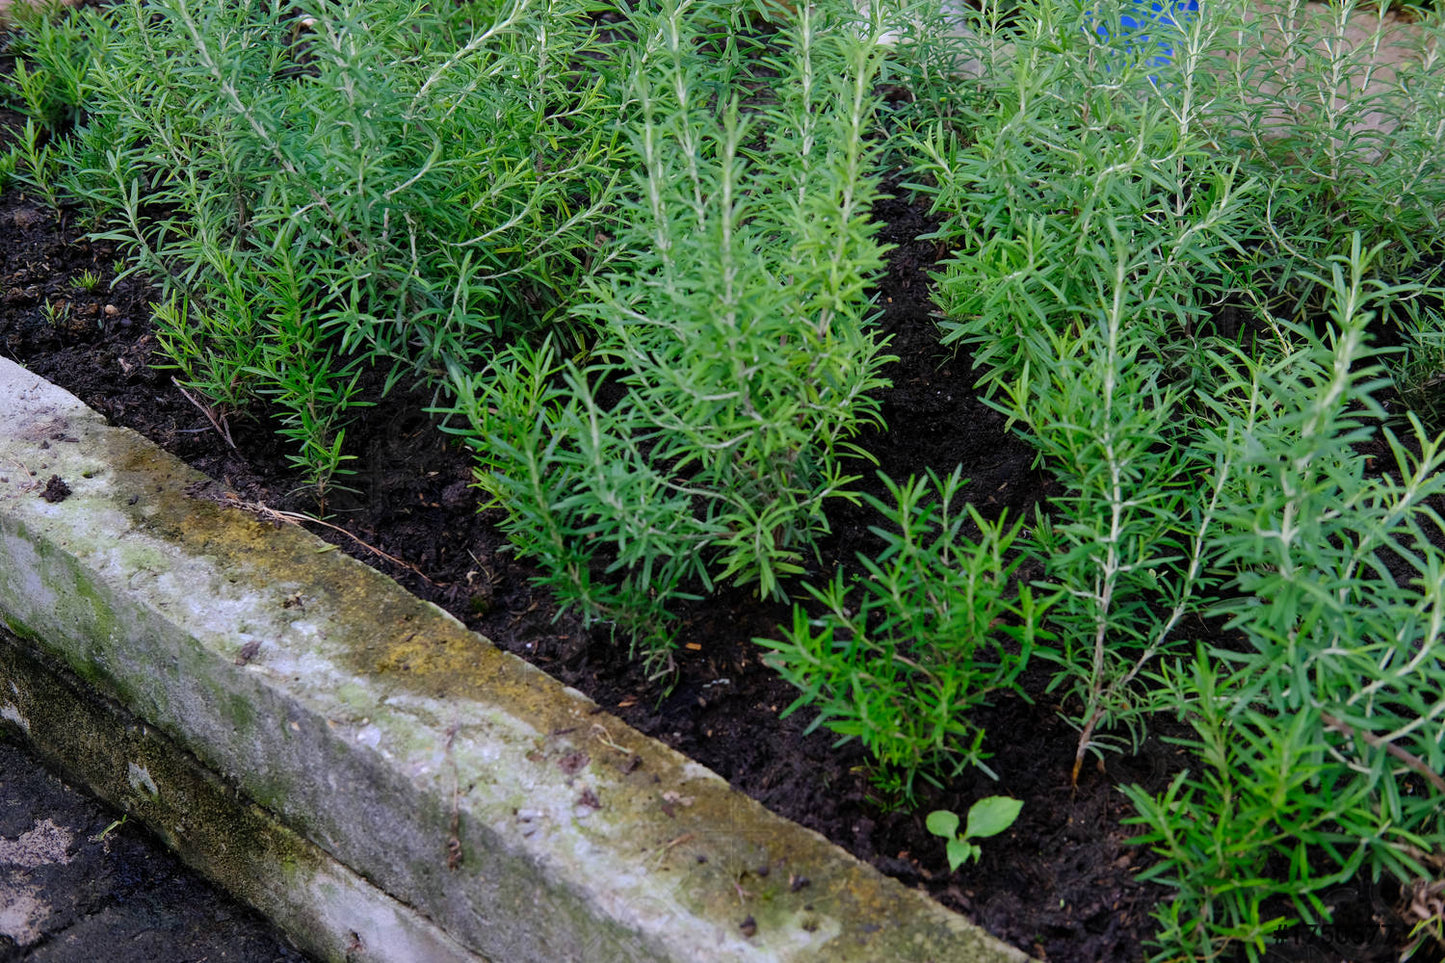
(87,281)
(1345,144)
(9,162)
(987,817)
(33,162)
(733,350)
(1219,831)
(637,260)
(1127,540)
(1067,166)
(737,321)
(1103,212)
(1230,173)
(55,314)
(1418,371)
(942,623)
(1097,228)
(324,217)
(53,50)
(544,456)
(1322,741)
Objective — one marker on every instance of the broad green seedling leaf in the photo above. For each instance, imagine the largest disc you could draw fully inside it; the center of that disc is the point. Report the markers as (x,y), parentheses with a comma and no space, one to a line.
(987,817)
(991,816)
(943,823)
(961,851)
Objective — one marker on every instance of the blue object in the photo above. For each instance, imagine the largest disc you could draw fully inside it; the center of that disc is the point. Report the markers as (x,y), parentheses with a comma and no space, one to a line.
(1152,23)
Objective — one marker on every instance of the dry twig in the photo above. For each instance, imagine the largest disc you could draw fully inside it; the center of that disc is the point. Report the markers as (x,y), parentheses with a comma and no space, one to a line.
(1412,761)
(297,518)
(218,421)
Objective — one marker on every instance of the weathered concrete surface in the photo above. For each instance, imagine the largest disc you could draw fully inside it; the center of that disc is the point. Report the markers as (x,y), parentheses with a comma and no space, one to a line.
(505,808)
(148,776)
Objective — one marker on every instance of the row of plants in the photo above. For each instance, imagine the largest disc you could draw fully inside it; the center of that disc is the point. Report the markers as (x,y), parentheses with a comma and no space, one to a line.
(1114,225)
(628,250)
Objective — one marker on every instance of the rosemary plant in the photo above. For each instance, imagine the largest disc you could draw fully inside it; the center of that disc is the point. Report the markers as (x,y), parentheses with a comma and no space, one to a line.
(734,348)
(1320,739)
(53,55)
(942,624)
(1114,221)
(326,218)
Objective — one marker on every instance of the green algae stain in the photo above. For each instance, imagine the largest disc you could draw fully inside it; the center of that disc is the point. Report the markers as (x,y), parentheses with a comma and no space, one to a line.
(387,632)
(18,628)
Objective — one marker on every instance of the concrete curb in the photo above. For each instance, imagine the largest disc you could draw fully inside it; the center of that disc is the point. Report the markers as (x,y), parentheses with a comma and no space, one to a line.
(134,767)
(408,791)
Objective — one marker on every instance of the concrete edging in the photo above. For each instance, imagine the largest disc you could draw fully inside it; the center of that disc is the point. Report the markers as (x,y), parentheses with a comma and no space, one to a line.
(240,845)
(409,792)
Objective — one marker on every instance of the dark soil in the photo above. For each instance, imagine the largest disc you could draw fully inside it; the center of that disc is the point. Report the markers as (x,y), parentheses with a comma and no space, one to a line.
(1059,884)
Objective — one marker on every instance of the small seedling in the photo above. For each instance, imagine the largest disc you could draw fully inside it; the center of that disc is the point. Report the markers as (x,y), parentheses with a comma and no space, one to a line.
(87,281)
(111,828)
(55,313)
(987,817)
(104,835)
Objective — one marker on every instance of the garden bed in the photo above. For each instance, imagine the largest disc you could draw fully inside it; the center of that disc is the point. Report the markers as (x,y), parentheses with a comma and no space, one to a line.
(1059,884)
(423,513)
(351,761)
